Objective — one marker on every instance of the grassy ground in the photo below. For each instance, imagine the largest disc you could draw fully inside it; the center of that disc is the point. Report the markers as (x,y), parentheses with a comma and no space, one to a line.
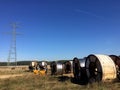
(30,81)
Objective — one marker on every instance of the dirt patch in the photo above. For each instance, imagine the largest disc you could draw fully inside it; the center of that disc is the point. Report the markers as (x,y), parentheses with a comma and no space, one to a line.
(10,76)
(69,75)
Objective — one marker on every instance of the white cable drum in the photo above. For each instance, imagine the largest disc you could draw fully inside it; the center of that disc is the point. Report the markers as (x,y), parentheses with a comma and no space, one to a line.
(100,67)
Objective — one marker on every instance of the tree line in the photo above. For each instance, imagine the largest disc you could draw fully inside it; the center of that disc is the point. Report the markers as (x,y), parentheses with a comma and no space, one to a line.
(27,62)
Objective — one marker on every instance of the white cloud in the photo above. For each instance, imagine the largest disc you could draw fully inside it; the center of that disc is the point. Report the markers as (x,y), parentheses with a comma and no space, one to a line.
(88,13)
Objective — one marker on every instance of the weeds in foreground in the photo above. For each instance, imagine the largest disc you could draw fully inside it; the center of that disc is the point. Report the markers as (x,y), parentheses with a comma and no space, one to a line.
(30,81)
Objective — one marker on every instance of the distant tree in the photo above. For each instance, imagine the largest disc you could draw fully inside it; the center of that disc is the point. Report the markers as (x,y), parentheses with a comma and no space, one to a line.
(3,63)
(23,62)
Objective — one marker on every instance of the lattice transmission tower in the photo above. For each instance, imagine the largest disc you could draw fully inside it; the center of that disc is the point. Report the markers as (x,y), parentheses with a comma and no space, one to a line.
(12,51)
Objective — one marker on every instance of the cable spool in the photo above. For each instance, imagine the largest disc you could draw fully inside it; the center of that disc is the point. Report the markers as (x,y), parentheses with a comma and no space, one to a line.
(43,63)
(100,68)
(71,61)
(76,68)
(42,66)
(53,68)
(82,62)
(116,60)
(79,70)
(68,67)
(59,69)
(56,68)
(33,65)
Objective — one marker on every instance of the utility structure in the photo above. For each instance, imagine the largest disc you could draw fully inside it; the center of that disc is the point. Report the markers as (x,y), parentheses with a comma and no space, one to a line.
(12,51)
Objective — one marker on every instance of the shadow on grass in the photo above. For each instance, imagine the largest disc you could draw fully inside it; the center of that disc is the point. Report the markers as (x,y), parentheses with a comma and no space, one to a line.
(79,81)
(63,78)
(73,80)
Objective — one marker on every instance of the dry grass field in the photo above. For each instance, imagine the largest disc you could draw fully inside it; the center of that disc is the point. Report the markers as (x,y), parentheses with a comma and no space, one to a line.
(21,79)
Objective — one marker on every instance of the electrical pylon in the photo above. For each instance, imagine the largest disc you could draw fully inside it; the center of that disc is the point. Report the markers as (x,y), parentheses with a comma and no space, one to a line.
(12,52)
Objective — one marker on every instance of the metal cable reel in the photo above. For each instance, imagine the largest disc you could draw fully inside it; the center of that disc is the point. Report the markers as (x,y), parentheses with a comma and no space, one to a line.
(76,68)
(33,65)
(42,66)
(56,68)
(60,69)
(53,68)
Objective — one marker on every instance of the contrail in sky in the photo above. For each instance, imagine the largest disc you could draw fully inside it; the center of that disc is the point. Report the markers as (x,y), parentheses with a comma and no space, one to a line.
(88,13)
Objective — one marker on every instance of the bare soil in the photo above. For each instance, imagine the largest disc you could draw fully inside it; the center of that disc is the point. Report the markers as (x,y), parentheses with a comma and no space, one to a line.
(10,76)
(12,71)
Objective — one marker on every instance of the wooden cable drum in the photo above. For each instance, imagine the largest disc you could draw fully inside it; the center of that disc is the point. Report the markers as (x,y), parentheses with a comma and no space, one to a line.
(116,60)
(100,68)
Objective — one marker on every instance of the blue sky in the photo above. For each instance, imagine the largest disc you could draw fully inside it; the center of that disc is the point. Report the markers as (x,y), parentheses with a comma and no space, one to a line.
(60,29)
